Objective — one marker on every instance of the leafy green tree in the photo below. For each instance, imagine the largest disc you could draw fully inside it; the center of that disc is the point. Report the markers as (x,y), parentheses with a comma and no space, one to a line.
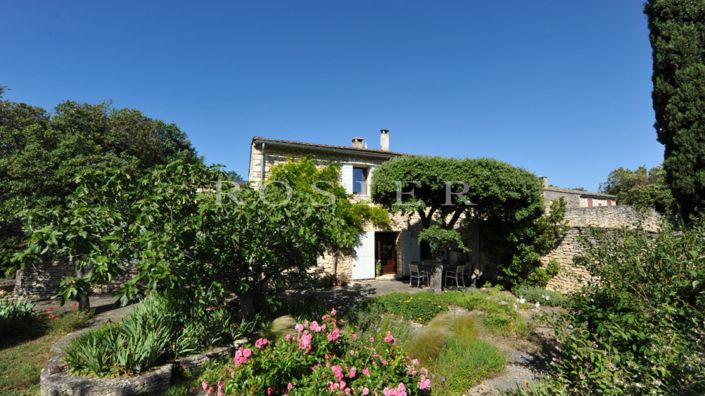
(197,234)
(640,188)
(41,155)
(90,231)
(677,35)
(504,202)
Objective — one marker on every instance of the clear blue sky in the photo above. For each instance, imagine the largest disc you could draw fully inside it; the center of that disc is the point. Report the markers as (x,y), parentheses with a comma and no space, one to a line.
(561,88)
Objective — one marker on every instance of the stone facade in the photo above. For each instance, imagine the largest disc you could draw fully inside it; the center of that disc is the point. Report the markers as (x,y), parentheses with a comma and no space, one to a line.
(266,153)
(571,277)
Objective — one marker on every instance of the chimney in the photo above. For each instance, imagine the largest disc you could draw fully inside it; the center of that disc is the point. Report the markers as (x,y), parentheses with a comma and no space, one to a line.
(544,181)
(384,139)
(358,142)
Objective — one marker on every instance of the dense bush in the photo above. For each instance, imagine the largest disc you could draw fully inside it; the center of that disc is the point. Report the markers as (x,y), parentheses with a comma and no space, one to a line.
(319,357)
(640,329)
(15,309)
(12,313)
(542,296)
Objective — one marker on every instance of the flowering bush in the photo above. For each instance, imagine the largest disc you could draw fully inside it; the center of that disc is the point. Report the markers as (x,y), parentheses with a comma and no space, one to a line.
(320,357)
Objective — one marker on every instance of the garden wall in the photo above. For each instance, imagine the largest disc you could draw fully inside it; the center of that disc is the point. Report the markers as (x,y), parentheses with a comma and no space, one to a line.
(42,280)
(571,277)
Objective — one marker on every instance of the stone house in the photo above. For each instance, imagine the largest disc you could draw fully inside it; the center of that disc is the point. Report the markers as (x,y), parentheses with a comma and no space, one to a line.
(576,198)
(394,247)
(397,247)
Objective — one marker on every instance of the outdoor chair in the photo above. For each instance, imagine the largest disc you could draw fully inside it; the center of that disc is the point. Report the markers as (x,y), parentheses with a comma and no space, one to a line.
(475,275)
(418,274)
(456,274)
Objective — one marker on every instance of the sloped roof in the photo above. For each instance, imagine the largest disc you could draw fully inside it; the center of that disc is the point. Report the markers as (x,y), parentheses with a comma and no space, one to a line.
(580,192)
(327,147)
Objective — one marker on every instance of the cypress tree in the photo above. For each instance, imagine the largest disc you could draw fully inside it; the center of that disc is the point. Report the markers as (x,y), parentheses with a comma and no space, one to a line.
(677,35)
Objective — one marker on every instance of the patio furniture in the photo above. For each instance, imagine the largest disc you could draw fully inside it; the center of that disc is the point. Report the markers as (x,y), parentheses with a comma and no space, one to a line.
(475,275)
(457,274)
(417,273)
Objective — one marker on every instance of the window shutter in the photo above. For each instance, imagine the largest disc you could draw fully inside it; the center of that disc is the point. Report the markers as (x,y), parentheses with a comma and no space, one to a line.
(370,172)
(348,178)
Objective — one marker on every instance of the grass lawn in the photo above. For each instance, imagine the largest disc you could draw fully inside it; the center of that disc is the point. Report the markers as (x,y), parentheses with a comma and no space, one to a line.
(24,353)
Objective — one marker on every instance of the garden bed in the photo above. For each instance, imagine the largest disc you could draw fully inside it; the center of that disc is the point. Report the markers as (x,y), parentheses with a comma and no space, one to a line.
(56,380)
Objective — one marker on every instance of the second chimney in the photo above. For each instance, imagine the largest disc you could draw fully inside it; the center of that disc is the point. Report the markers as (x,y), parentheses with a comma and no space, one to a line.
(384,139)
(358,142)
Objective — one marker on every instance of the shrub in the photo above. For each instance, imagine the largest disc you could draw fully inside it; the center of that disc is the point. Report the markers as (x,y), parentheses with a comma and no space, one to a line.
(319,356)
(132,346)
(450,348)
(639,329)
(543,296)
(15,309)
(421,307)
(14,315)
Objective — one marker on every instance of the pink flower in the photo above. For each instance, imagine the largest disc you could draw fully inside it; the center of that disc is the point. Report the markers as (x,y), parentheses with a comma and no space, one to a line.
(355,336)
(334,335)
(204,386)
(372,339)
(299,327)
(241,356)
(333,312)
(389,338)
(365,391)
(352,372)
(400,390)
(366,371)
(260,343)
(316,327)
(305,342)
(287,337)
(220,389)
(337,372)
(289,386)
(415,362)
(425,383)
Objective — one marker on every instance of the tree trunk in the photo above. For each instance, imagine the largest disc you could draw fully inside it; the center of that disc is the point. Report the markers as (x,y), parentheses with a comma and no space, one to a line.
(247,306)
(437,278)
(84,302)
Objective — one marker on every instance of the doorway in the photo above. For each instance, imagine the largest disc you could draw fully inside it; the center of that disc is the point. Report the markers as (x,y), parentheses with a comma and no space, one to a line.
(386,251)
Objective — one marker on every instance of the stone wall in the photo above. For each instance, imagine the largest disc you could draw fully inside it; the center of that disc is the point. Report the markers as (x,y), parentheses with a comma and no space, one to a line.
(42,281)
(571,277)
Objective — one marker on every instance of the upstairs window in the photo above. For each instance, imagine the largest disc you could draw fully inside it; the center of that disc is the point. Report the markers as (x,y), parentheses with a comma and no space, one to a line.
(359,181)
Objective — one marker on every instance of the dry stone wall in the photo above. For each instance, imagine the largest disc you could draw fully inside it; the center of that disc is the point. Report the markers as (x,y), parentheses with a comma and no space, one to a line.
(570,277)
(42,280)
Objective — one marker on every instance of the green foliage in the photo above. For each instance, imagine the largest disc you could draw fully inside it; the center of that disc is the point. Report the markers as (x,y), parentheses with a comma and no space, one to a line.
(463,363)
(540,295)
(316,358)
(507,207)
(220,237)
(129,347)
(441,239)
(640,188)
(639,329)
(15,309)
(15,315)
(677,37)
(422,307)
(534,242)
(89,231)
(41,155)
